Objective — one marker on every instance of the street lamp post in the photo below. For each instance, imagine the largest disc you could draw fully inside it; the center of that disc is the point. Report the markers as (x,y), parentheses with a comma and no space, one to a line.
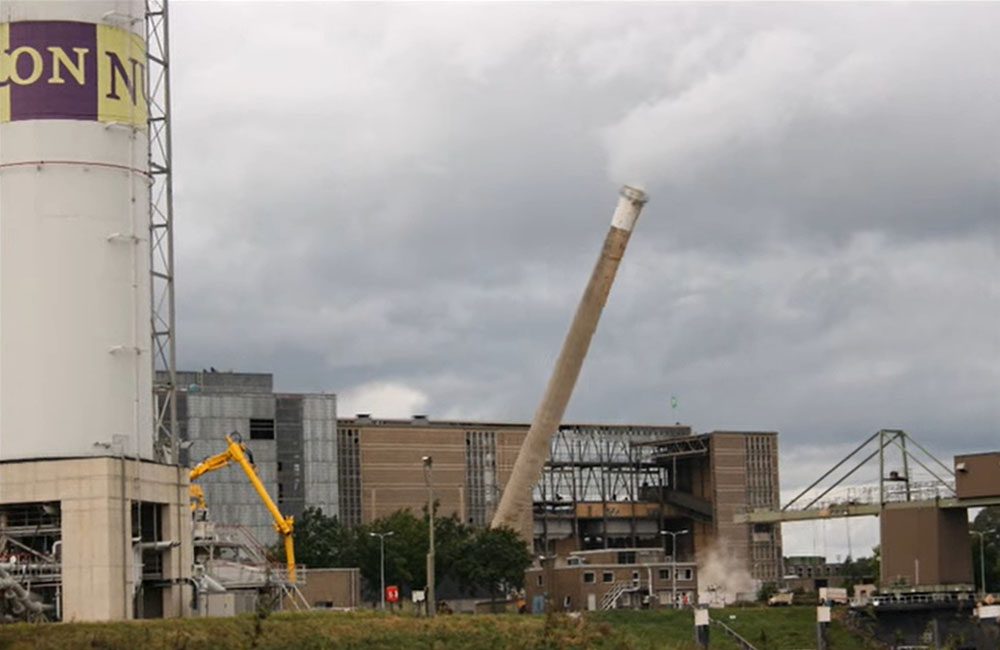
(547,564)
(381,541)
(982,556)
(673,561)
(431,602)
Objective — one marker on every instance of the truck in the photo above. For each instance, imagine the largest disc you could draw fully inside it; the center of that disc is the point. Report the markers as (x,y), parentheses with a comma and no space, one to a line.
(783,598)
(832,596)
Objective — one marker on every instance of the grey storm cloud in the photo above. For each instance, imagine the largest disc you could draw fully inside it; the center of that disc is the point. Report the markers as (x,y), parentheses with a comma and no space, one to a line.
(410,197)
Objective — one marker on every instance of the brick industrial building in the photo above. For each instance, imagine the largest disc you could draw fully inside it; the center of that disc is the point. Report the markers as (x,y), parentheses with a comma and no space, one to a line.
(604,487)
(606,579)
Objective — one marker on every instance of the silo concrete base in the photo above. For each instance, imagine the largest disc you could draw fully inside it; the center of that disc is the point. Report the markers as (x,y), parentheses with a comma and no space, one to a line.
(89,553)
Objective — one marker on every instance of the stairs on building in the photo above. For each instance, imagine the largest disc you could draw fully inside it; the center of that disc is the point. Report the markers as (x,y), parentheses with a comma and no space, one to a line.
(610,598)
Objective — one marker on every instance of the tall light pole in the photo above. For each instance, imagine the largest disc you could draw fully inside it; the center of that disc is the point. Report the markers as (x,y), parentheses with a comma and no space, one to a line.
(431,602)
(982,556)
(547,564)
(673,561)
(381,542)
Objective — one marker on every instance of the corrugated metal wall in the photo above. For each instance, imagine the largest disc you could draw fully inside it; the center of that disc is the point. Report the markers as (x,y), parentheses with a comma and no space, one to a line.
(293,445)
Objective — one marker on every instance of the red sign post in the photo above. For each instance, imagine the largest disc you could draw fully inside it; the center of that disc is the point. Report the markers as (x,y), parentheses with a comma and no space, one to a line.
(392,594)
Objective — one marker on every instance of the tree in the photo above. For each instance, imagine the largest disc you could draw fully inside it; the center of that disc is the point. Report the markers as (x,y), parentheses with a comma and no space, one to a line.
(988,522)
(767,589)
(405,552)
(488,559)
(495,559)
(322,541)
(451,542)
(862,570)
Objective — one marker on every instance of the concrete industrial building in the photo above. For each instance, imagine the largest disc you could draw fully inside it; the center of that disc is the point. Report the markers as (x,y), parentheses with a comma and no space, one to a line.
(809,573)
(292,436)
(86,552)
(604,487)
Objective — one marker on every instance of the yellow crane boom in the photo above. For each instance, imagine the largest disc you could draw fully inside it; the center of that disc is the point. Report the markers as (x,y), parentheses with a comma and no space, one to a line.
(236,452)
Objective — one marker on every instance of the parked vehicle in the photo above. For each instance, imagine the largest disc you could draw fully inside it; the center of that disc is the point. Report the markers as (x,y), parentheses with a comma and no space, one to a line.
(833,595)
(783,598)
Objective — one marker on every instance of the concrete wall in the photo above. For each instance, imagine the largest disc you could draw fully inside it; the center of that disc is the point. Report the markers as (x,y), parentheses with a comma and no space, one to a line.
(97,559)
(977,475)
(336,588)
(925,546)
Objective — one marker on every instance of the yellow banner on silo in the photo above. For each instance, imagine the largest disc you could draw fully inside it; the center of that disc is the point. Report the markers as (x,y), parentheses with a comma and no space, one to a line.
(121,77)
(63,70)
(4,89)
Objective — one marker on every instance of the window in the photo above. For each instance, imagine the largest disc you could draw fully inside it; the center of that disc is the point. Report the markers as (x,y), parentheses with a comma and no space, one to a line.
(635,578)
(608,576)
(685,574)
(262,429)
(664,574)
(588,577)
(626,557)
(539,580)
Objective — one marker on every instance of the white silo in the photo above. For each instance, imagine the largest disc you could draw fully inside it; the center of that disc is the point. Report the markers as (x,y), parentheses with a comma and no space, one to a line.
(75,363)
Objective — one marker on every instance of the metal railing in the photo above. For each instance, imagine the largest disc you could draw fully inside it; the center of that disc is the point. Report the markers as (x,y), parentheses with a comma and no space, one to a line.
(610,599)
(733,634)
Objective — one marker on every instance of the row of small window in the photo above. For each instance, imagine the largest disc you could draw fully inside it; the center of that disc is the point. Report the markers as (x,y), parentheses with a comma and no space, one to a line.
(589,577)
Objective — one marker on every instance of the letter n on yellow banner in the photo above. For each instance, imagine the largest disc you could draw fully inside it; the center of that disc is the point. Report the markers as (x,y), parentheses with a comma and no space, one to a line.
(121,77)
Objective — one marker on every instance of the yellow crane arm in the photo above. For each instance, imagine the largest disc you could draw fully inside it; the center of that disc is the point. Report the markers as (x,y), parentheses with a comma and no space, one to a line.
(211,464)
(236,452)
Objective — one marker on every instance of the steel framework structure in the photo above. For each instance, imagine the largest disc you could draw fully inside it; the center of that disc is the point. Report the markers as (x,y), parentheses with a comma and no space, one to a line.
(895,490)
(161,233)
(599,465)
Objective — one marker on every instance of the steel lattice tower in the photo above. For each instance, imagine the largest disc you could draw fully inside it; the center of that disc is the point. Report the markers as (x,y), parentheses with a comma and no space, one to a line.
(161,232)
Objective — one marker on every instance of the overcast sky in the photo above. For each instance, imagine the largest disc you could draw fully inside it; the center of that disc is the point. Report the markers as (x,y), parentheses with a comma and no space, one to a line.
(402,203)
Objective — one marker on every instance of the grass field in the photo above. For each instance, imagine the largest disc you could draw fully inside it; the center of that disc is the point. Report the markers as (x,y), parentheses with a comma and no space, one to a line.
(785,629)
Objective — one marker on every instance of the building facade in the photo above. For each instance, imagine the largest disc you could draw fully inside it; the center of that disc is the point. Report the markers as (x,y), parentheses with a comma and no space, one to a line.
(718,475)
(626,578)
(94,539)
(380,467)
(604,486)
(292,436)
(809,573)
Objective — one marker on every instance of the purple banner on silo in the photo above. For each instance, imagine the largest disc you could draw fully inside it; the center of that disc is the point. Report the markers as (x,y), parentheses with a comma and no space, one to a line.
(50,68)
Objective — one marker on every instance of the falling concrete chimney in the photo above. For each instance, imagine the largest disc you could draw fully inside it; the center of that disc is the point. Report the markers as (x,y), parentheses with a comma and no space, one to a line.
(515,508)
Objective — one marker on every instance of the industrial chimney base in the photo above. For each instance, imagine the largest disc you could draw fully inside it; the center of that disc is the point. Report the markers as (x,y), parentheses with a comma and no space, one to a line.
(94,539)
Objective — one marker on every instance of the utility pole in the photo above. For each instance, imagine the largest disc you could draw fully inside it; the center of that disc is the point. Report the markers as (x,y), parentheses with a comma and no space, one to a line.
(381,541)
(673,562)
(431,602)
